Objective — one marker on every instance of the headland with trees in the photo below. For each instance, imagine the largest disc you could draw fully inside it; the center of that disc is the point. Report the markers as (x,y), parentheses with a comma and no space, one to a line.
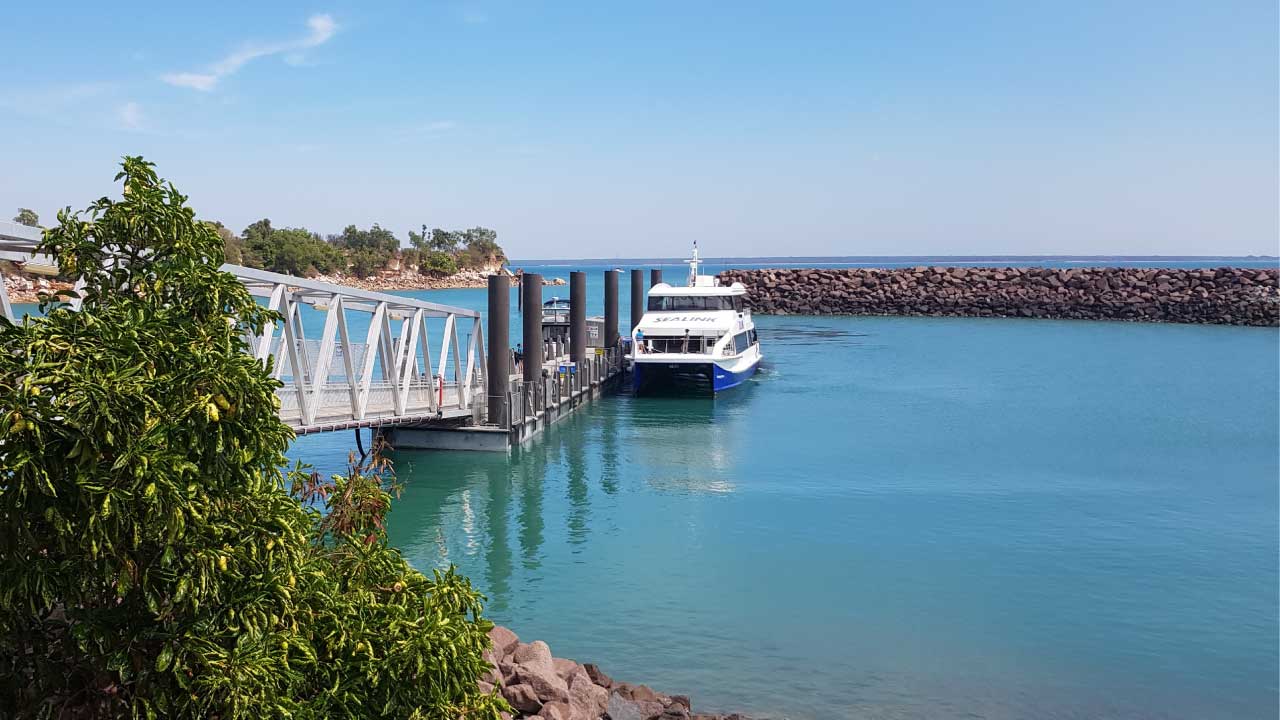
(372,258)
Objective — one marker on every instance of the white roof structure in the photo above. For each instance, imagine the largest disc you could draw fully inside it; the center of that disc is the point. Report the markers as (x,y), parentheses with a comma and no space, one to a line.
(665,290)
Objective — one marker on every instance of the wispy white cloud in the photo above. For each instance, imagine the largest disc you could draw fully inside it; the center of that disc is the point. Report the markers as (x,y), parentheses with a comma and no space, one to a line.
(322,28)
(130,115)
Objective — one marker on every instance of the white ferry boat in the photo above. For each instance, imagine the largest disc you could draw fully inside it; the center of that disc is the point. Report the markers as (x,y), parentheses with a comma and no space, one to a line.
(697,339)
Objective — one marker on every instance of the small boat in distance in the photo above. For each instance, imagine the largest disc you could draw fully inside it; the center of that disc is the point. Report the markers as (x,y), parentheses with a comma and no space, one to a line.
(697,339)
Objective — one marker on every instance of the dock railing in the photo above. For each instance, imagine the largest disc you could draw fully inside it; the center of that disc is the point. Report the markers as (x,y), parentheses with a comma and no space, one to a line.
(561,383)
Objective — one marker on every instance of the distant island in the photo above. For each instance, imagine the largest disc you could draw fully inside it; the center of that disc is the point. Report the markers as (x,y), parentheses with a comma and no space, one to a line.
(372,259)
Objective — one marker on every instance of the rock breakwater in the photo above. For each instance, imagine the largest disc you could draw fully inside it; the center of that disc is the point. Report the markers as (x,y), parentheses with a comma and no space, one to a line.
(1226,296)
(541,687)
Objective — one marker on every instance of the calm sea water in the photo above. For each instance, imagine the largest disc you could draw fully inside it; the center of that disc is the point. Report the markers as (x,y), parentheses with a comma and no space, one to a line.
(898,518)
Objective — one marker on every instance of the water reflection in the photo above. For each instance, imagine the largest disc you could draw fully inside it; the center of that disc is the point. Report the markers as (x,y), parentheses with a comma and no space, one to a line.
(512,522)
(531,471)
(689,444)
(577,496)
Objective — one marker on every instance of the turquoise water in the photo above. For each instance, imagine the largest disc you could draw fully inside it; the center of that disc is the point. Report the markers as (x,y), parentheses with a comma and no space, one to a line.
(899,518)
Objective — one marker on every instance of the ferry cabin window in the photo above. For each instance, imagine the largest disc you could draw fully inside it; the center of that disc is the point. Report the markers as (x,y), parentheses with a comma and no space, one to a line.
(697,344)
(693,302)
(741,342)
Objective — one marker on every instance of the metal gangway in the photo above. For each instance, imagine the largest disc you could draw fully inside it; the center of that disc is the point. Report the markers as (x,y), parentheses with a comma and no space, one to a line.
(372,364)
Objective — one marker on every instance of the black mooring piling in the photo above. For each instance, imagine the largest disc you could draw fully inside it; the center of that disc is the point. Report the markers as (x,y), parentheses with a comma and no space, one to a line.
(578,317)
(637,297)
(531,315)
(498,364)
(655,277)
(609,338)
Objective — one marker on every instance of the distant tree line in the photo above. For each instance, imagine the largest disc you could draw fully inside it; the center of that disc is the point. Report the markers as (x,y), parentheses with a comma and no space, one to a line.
(298,251)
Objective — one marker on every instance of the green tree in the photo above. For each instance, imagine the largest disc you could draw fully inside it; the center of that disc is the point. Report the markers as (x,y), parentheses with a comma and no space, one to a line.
(446,241)
(298,251)
(257,240)
(233,248)
(28,217)
(418,242)
(294,251)
(153,564)
(365,261)
(435,262)
(367,250)
(480,248)
(410,257)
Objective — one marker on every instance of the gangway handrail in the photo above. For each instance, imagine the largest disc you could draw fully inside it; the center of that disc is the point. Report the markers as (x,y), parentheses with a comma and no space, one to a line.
(262,282)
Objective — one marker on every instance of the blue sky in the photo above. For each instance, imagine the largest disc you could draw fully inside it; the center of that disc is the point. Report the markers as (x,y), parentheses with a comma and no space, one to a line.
(626,129)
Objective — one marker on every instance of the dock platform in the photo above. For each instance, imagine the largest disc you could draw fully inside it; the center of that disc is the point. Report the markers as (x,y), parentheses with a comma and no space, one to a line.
(532,407)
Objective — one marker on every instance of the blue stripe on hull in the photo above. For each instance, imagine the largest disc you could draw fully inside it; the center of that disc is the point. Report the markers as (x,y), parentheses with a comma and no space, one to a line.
(725,379)
(685,378)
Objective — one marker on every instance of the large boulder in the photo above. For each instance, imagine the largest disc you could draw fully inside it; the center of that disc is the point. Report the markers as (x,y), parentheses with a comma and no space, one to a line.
(587,700)
(557,711)
(522,698)
(549,686)
(504,641)
(534,655)
(597,675)
(565,668)
(622,708)
(494,674)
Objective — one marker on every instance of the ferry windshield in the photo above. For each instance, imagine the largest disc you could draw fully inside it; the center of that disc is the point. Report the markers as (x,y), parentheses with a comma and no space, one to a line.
(695,302)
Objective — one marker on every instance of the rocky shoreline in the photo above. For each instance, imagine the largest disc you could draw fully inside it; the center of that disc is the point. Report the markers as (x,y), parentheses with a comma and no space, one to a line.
(541,687)
(409,280)
(27,289)
(1224,296)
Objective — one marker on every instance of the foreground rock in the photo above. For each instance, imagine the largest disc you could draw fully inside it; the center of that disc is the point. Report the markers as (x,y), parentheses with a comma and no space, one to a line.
(1225,296)
(538,685)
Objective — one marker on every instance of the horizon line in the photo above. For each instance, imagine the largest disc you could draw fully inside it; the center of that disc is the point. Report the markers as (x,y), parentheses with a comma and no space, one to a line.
(801,258)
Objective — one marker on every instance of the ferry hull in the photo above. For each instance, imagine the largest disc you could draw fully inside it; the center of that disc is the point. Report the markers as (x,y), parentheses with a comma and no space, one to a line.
(706,379)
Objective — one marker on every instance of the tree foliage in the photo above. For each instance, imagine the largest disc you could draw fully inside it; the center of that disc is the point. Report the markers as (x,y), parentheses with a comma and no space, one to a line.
(298,251)
(28,217)
(233,248)
(435,262)
(480,248)
(153,563)
(293,251)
